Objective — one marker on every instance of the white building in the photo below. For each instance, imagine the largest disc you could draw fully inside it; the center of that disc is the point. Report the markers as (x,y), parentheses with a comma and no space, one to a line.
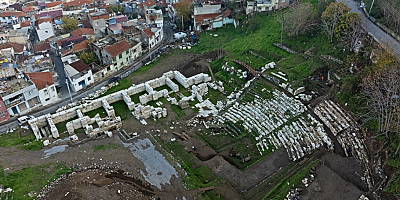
(45,84)
(79,74)
(45,31)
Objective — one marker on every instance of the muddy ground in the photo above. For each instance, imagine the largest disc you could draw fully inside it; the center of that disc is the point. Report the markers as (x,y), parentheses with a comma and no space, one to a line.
(336,176)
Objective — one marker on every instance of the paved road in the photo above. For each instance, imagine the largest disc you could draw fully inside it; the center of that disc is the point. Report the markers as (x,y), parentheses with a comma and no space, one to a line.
(377,32)
(12,122)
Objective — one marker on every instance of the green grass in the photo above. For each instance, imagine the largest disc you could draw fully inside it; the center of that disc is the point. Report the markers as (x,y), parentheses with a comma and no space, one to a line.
(122,110)
(31,179)
(33,146)
(15,139)
(394,186)
(96,111)
(135,97)
(104,147)
(214,96)
(61,127)
(122,85)
(178,111)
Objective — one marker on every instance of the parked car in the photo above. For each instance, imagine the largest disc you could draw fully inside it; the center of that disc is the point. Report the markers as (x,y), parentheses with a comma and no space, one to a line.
(114,79)
(24,119)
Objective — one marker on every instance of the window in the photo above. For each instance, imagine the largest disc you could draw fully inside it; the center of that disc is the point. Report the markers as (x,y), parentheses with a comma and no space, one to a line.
(283,1)
(127,60)
(53,89)
(120,55)
(127,52)
(48,99)
(89,78)
(46,31)
(97,23)
(134,50)
(122,63)
(2,114)
(46,92)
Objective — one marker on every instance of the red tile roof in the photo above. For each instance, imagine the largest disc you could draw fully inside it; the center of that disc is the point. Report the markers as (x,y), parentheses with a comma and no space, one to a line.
(41,79)
(77,3)
(116,49)
(29,8)
(149,3)
(86,23)
(18,48)
(25,24)
(41,20)
(44,46)
(148,32)
(201,18)
(82,31)
(16,13)
(53,4)
(80,66)
(81,46)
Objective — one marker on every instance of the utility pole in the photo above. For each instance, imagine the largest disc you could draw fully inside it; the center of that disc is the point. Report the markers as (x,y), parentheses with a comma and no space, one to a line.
(371,6)
(66,81)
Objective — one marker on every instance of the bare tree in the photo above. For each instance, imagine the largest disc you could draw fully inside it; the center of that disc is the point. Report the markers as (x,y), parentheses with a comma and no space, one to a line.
(330,17)
(352,31)
(299,18)
(382,89)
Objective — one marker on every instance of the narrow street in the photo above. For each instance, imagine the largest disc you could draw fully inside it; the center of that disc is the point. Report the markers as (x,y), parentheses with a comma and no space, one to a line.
(384,38)
(64,97)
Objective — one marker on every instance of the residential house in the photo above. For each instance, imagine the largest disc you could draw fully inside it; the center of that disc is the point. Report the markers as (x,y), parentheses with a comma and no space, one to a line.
(266,5)
(114,29)
(129,6)
(87,32)
(283,3)
(42,48)
(149,4)
(45,30)
(209,16)
(25,25)
(98,20)
(79,74)
(154,17)
(20,36)
(172,14)
(4,114)
(51,13)
(15,7)
(13,49)
(77,4)
(12,18)
(151,37)
(53,5)
(30,10)
(45,85)
(118,19)
(40,64)
(19,94)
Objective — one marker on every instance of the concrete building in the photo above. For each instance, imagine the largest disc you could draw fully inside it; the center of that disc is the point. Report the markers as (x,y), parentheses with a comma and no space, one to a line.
(98,20)
(12,18)
(45,84)
(79,74)
(45,30)
(209,16)
(19,94)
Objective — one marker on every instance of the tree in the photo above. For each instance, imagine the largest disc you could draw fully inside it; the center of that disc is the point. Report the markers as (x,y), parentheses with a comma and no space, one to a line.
(116,9)
(299,18)
(331,16)
(349,30)
(382,89)
(87,57)
(69,24)
(183,9)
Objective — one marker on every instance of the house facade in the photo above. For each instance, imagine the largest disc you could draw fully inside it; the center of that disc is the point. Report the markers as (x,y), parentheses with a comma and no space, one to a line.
(21,96)
(45,84)
(79,74)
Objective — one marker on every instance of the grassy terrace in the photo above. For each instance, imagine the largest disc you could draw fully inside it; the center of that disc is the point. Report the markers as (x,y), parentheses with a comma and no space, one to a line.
(31,179)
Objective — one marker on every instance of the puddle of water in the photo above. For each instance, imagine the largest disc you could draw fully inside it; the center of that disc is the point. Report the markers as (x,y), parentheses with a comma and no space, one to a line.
(158,170)
(53,150)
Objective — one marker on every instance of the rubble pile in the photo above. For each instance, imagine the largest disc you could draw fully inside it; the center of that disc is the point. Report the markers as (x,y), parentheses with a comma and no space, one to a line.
(332,116)
(267,120)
